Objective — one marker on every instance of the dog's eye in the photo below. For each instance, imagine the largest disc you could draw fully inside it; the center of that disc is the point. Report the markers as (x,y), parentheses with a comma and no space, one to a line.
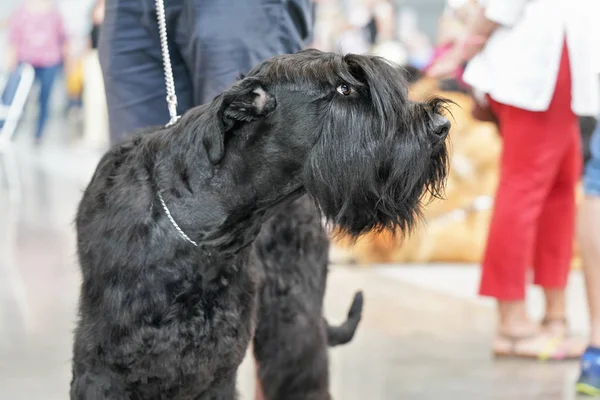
(345,89)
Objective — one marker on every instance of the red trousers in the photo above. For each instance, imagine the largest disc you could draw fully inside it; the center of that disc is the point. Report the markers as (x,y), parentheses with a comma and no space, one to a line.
(533,220)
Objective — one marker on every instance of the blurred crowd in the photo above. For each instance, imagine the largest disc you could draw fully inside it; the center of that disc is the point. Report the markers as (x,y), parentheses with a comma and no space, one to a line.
(62,51)
(383,27)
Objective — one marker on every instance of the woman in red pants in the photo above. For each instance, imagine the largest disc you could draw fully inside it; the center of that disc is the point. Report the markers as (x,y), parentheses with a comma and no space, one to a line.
(532,60)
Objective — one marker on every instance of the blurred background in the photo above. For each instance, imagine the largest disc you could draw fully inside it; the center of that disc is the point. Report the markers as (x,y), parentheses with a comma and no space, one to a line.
(426,333)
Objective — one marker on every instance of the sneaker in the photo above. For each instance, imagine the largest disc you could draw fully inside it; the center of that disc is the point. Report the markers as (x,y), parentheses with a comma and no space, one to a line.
(589,380)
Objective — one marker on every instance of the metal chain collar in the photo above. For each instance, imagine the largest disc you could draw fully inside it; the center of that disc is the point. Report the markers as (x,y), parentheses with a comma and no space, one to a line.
(181,232)
(171,99)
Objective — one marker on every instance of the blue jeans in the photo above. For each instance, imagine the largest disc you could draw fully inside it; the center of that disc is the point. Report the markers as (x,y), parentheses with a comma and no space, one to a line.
(211,44)
(591,177)
(46,77)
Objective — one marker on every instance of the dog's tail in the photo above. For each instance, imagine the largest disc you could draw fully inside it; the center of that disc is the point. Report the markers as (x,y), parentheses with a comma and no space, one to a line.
(344,333)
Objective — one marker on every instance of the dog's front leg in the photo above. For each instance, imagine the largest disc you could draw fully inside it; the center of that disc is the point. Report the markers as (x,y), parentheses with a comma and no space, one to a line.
(96,385)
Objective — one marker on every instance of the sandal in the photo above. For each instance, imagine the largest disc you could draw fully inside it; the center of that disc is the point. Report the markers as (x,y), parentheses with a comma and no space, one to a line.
(555,326)
(538,346)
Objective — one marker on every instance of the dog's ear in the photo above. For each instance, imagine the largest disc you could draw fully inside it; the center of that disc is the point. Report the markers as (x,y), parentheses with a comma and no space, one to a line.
(214,143)
(247,101)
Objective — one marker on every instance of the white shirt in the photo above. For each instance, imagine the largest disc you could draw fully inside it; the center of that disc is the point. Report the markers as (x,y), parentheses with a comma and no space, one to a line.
(519,64)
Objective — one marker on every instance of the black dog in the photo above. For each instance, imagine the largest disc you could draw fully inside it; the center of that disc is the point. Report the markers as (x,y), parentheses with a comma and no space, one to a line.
(292,337)
(166,226)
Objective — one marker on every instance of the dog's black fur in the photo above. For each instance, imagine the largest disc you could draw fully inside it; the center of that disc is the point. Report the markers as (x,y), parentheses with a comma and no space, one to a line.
(291,337)
(163,319)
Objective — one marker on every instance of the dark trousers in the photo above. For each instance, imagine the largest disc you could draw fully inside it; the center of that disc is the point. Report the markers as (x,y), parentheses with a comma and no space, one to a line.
(212,42)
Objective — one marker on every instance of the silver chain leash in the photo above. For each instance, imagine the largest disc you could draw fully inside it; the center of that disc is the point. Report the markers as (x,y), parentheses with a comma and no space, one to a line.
(171,100)
(164,45)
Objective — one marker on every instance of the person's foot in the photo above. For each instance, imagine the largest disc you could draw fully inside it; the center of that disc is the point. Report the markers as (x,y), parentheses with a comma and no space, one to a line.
(518,336)
(589,379)
(538,345)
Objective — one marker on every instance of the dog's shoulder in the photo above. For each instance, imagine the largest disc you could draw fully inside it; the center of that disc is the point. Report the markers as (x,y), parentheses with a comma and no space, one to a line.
(121,179)
(125,155)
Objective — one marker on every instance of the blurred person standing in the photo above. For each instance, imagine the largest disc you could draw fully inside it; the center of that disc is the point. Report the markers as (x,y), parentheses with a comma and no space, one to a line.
(211,43)
(370,24)
(417,43)
(327,22)
(356,37)
(532,60)
(381,26)
(452,26)
(589,239)
(36,36)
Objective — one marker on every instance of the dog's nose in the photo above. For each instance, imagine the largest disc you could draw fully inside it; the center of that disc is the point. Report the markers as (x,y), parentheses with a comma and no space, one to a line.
(441,126)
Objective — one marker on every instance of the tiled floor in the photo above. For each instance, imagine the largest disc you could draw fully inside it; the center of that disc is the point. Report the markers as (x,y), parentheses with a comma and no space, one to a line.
(424,334)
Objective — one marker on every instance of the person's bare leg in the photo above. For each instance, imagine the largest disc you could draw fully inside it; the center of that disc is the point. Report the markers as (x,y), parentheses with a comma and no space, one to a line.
(589,237)
(513,319)
(555,321)
(258,393)
(515,328)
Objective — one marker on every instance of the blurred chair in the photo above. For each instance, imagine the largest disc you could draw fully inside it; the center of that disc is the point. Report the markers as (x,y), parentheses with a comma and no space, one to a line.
(13,97)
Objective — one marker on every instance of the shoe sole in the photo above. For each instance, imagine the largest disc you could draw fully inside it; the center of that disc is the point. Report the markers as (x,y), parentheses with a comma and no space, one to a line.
(588,390)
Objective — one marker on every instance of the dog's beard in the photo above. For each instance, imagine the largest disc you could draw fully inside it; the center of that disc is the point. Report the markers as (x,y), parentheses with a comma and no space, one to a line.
(364,184)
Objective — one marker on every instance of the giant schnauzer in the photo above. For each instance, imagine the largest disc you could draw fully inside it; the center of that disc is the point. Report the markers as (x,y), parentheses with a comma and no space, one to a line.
(166,226)
(292,337)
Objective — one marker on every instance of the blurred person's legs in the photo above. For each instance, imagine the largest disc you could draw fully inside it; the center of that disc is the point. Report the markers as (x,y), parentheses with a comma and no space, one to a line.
(211,45)
(553,250)
(533,219)
(589,237)
(46,77)
(131,60)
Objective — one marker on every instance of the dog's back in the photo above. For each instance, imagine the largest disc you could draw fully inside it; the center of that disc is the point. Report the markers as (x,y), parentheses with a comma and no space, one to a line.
(292,337)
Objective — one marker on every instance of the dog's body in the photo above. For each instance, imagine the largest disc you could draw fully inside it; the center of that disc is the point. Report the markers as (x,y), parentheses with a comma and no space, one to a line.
(158,315)
(166,226)
(292,337)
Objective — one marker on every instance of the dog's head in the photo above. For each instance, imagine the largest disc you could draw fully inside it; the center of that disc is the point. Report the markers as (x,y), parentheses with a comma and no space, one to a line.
(363,150)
